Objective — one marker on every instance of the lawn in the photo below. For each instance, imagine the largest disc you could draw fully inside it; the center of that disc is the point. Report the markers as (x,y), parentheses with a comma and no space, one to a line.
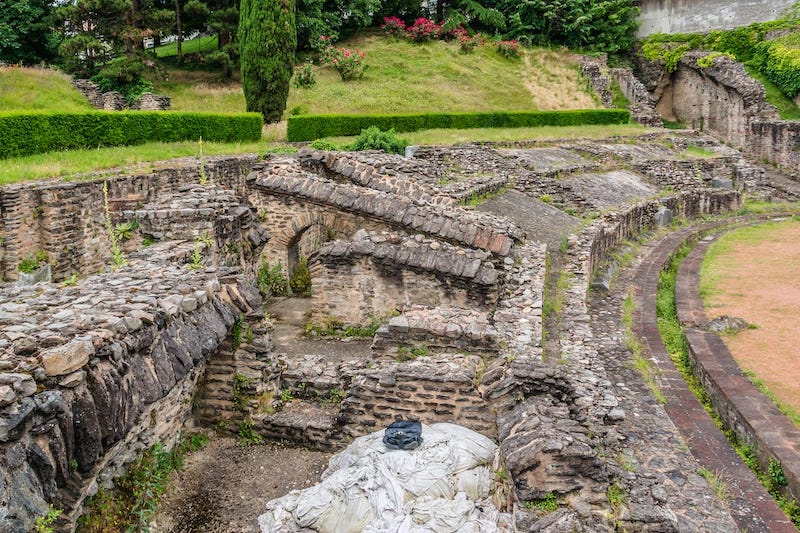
(39,89)
(207,43)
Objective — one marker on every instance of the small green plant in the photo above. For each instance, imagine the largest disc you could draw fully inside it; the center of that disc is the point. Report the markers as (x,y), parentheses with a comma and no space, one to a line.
(710,59)
(334,396)
(201,162)
(71,281)
(44,524)
(239,328)
(373,138)
(73,464)
(286,396)
(616,497)
(241,386)
(409,353)
(304,75)
(197,257)
(247,435)
(548,504)
(124,230)
(300,282)
(323,145)
(717,483)
(31,263)
(775,473)
(147,241)
(117,256)
(546,198)
(272,281)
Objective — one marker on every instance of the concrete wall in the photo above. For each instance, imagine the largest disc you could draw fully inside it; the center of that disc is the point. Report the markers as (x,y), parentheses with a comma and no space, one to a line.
(698,16)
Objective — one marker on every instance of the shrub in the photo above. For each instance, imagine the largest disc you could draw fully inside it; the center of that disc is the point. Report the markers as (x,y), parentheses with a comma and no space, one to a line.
(267,41)
(509,49)
(466,42)
(349,64)
(301,279)
(304,75)
(37,132)
(424,30)
(271,280)
(373,138)
(393,26)
(310,127)
(322,144)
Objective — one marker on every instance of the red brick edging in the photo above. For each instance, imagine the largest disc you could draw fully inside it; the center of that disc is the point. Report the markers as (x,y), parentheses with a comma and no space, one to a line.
(751,506)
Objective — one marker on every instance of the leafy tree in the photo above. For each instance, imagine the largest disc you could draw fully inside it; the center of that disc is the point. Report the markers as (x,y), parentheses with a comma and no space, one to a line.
(25,35)
(333,18)
(104,39)
(267,40)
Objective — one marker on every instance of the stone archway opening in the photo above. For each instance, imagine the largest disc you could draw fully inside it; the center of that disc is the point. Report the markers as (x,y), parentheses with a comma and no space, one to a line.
(298,251)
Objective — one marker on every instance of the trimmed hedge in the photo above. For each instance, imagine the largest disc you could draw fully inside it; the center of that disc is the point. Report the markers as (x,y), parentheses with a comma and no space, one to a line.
(33,133)
(310,127)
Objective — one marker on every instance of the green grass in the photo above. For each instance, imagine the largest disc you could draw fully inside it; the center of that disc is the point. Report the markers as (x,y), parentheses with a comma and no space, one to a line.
(640,363)
(425,77)
(786,107)
(194,90)
(55,164)
(34,89)
(204,44)
(444,137)
(693,150)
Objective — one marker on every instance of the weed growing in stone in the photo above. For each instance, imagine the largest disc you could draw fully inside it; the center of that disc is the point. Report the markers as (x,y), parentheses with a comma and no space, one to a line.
(241,386)
(117,256)
(286,396)
(409,353)
(132,504)
(124,230)
(246,434)
(717,483)
(645,368)
(548,504)
(272,281)
(31,263)
(616,497)
(300,282)
(45,523)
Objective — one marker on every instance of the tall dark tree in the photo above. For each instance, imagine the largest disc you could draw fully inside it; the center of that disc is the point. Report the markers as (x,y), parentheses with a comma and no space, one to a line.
(267,42)
(25,33)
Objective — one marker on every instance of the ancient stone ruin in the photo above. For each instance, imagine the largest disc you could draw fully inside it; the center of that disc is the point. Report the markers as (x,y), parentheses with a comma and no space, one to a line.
(115,101)
(484,275)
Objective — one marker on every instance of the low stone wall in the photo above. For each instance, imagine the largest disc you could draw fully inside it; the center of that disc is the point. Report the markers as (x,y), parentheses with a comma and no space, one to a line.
(67,219)
(610,232)
(378,274)
(93,374)
(115,101)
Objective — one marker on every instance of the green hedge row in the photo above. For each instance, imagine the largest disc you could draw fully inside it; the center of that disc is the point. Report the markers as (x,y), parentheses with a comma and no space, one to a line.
(310,127)
(32,133)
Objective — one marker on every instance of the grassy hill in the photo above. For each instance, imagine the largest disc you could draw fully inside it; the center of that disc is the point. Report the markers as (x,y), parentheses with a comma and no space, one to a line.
(34,89)
(406,77)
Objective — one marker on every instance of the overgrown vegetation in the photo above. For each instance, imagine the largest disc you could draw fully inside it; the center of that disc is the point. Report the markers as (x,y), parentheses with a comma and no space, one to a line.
(272,280)
(373,138)
(31,263)
(331,327)
(131,505)
(300,282)
(548,504)
(777,60)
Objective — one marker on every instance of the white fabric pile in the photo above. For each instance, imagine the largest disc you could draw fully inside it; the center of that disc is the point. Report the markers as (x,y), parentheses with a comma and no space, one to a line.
(445,485)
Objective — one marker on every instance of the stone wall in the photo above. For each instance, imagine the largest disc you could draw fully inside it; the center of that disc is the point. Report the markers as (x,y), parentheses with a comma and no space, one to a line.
(93,374)
(66,219)
(724,100)
(378,274)
(702,16)
(115,101)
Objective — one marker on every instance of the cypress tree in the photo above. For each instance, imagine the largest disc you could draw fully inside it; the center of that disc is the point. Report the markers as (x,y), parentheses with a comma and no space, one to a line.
(267,41)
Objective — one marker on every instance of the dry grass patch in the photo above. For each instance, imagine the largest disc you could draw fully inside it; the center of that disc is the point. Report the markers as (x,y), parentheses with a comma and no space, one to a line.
(555,81)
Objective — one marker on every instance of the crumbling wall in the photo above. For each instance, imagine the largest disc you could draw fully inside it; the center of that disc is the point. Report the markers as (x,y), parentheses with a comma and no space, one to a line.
(67,219)
(93,374)
(724,100)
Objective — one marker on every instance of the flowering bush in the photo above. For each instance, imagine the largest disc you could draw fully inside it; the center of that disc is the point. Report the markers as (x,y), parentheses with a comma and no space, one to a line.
(324,46)
(509,49)
(349,64)
(466,42)
(424,30)
(393,26)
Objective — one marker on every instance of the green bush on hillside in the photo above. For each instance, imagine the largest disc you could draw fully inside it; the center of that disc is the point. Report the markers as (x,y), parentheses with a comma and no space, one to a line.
(33,133)
(310,127)
(373,138)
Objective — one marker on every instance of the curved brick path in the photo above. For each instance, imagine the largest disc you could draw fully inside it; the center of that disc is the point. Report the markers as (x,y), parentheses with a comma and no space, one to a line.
(750,505)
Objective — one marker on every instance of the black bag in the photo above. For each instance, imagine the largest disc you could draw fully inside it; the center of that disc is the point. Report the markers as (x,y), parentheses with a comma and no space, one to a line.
(403,435)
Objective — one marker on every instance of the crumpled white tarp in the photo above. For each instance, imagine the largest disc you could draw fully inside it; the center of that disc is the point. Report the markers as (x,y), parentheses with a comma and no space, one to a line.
(443,486)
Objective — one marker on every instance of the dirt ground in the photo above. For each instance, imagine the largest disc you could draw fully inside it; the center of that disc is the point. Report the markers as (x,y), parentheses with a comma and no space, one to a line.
(224,487)
(757,278)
